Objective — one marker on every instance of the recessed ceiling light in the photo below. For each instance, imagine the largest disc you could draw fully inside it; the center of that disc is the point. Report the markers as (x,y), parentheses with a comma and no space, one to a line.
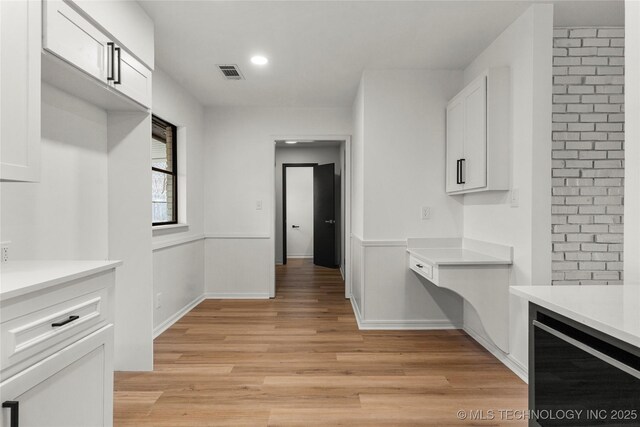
(291,142)
(259,60)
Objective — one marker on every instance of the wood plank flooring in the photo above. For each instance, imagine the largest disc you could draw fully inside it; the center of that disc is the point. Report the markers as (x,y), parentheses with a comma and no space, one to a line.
(299,359)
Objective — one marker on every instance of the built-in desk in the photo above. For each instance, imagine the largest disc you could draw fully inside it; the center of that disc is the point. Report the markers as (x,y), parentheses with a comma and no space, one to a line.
(477,271)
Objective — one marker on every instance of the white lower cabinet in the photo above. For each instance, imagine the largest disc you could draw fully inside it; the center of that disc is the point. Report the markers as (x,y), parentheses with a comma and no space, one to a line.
(56,357)
(73,387)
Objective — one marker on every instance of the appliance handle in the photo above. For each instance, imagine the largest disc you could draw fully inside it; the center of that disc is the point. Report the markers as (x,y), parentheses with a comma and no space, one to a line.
(607,359)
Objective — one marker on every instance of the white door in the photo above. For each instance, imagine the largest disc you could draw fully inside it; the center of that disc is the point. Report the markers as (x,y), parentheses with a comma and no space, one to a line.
(474,166)
(299,212)
(455,143)
(20,41)
(73,387)
(71,37)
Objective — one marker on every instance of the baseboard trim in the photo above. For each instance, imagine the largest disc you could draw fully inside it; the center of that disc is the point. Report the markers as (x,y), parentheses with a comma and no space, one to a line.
(390,325)
(506,359)
(177,316)
(231,295)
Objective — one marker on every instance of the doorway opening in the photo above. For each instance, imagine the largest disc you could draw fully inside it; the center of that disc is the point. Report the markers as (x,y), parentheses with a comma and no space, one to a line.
(311,203)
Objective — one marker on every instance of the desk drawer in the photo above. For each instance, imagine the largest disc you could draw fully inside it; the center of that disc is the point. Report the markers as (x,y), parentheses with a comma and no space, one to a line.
(43,329)
(421,267)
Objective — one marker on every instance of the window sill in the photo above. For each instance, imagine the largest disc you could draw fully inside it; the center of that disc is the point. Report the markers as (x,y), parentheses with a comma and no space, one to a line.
(158,229)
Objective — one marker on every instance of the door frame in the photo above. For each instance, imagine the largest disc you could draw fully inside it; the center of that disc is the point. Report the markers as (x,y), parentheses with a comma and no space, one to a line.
(284,203)
(345,141)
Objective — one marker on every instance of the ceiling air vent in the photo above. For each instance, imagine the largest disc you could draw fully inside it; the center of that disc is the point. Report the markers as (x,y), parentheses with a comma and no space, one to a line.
(231,72)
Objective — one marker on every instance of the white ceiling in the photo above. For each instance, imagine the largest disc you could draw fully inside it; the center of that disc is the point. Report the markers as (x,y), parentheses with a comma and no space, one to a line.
(319,49)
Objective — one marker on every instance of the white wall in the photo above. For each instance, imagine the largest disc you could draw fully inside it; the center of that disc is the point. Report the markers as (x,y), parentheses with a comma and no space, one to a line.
(64,216)
(398,157)
(526,47)
(239,159)
(303,153)
(178,271)
(632,144)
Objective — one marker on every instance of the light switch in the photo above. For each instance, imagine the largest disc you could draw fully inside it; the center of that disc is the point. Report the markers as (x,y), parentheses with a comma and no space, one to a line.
(425,212)
(258,205)
(515,198)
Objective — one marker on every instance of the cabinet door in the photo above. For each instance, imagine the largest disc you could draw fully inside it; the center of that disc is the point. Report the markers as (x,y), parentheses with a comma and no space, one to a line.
(455,143)
(134,79)
(71,37)
(474,166)
(73,387)
(20,44)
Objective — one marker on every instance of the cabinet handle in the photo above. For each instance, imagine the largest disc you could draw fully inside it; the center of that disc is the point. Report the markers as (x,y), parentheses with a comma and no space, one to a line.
(13,407)
(295,226)
(462,177)
(110,59)
(64,322)
(119,81)
(458,171)
(419,265)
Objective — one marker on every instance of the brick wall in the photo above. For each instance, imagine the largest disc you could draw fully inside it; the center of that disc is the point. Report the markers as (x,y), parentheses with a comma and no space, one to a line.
(588,155)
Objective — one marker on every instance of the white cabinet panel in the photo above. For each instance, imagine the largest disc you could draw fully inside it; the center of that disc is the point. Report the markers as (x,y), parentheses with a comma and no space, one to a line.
(455,143)
(20,47)
(478,133)
(73,387)
(71,37)
(474,165)
(134,79)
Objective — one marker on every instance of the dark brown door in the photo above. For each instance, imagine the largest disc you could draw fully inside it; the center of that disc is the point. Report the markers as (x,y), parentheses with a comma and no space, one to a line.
(324,221)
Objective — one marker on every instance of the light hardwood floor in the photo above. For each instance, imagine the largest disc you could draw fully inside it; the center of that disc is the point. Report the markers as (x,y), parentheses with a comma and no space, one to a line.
(299,359)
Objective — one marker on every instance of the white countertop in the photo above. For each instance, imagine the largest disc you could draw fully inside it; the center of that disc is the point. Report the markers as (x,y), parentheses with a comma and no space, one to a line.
(455,256)
(22,277)
(614,310)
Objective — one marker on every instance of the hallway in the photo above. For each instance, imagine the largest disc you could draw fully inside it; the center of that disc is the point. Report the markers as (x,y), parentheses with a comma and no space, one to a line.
(300,359)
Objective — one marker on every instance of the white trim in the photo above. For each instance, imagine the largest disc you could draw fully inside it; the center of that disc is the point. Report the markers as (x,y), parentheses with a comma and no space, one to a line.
(176,242)
(169,227)
(380,243)
(414,324)
(384,243)
(235,236)
(175,317)
(506,359)
(231,295)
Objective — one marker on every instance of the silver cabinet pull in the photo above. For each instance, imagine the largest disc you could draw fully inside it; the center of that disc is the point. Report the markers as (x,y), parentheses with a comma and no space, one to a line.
(329,221)
(592,351)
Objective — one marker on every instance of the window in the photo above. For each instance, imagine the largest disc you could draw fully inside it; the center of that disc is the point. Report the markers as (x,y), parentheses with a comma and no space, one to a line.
(164,174)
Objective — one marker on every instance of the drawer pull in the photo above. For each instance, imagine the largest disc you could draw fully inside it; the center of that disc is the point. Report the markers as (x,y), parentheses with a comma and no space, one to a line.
(419,265)
(13,407)
(64,322)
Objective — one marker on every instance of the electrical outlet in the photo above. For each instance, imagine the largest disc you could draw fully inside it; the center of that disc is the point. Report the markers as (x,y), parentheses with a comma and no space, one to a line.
(425,212)
(258,205)
(159,300)
(515,198)
(4,251)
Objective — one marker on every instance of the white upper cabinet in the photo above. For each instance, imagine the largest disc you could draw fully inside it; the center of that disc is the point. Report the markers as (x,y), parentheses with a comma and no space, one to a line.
(478,129)
(84,58)
(20,50)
